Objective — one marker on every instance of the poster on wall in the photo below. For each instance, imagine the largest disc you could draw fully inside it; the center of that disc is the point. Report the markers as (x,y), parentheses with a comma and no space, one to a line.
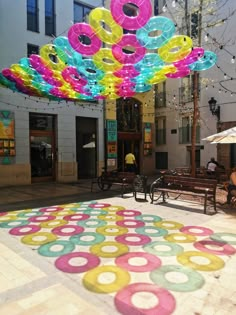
(111,139)
(147,141)
(7,134)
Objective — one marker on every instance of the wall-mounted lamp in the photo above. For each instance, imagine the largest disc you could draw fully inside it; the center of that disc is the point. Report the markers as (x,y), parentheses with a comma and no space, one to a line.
(215,110)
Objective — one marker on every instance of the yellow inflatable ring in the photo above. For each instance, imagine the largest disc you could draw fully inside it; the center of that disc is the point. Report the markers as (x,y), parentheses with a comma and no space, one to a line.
(91,283)
(45,52)
(184,45)
(105,60)
(99,15)
(216,263)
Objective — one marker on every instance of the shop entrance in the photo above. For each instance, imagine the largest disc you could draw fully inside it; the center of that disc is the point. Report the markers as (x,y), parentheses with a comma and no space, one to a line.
(127,146)
(42,147)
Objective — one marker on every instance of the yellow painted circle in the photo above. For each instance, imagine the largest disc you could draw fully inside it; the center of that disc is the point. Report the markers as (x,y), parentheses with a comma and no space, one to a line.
(110,217)
(63,212)
(53,223)
(31,238)
(97,249)
(113,208)
(180,238)
(99,15)
(216,263)
(182,43)
(112,230)
(91,283)
(9,217)
(169,225)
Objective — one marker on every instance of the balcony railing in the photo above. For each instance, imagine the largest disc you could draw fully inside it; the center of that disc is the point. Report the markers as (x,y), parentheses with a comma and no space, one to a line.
(185,95)
(185,135)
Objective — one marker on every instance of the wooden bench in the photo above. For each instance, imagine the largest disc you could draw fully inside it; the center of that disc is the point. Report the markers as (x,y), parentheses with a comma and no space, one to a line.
(198,187)
(108,179)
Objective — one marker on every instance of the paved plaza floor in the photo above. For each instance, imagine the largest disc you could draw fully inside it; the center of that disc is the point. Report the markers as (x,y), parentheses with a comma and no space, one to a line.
(65,250)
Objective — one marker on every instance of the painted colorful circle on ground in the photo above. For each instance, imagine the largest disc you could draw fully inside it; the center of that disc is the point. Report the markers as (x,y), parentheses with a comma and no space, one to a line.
(148,218)
(110,217)
(63,263)
(165,305)
(51,209)
(53,223)
(151,262)
(128,239)
(99,205)
(194,279)
(76,217)
(87,241)
(151,231)
(98,249)
(196,230)
(180,238)
(219,248)
(111,230)
(12,224)
(114,208)
(46,249)
(28,214)
(169,225)
(95,212)
(128,213)
(130,223)
(67,230)
(38,238)
(224,237)
(92,223)
(25,230)
(215,263)
(174,249)
(91,279)
(42,218)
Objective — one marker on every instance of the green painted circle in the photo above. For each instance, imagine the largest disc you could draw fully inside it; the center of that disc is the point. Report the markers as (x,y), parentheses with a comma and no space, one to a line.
(13,223)
(158,231)
(97,238)
(45,250)
(95,212)
(175,249)
(220,237)
(148,218)
(195,279)
(28,214)
(86,223)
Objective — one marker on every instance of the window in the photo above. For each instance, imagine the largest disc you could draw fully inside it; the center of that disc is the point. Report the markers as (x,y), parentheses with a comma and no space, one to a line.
(81,12)
(160,95)
(32,16)
(158,6)
(186,91)
(161,160)
(194,25)
(32,49)
(161,130)
(128,115)
(185,131)
(50,28)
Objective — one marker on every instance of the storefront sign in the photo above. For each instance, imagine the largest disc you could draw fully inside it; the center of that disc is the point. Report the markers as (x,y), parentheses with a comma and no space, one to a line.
(111,130)
(112,150)
(147,142)
(7,133)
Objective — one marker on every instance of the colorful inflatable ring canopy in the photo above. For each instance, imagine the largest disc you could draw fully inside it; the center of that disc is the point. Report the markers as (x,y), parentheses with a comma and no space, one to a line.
(101,59)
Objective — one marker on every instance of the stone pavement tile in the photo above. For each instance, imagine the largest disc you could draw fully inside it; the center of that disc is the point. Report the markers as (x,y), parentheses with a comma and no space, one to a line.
(52,300)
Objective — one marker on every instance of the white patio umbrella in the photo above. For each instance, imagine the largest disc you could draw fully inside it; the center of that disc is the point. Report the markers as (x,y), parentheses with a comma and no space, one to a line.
(226,136)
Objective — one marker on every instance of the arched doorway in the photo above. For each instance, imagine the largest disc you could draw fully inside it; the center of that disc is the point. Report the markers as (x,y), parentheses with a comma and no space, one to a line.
(128,113)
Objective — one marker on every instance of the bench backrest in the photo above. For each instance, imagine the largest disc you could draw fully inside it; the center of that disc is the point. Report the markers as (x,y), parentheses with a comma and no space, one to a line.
(127,176)
(190,183)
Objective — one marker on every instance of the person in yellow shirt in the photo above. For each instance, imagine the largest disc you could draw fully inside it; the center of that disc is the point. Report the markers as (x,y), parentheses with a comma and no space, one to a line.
(130,162)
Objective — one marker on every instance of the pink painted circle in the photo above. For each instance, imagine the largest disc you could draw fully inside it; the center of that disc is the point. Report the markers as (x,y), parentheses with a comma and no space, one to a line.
(42,218)
(18,230)
(130,223)
(63,262)
(128,213)
(152,262)
(143,239)
(85,29)
(128,40)
(60,230)
(76,217)
(123,300)
(222,248)
(131,22)
(99,205)
(203,231)
(51,209)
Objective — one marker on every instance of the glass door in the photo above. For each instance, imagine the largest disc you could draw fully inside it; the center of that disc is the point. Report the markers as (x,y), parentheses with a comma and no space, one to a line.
(42,153)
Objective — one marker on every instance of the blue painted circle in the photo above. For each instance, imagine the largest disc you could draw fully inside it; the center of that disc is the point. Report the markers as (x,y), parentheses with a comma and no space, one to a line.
(97,238)
(157,231)
(148,218)
(45,250)
(87,223)
(174,249)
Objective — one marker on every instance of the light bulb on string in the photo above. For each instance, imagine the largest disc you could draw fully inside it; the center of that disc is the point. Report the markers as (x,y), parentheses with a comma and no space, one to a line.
(206,37)
(173,3)
(164,9)
(233,59)
(225,76)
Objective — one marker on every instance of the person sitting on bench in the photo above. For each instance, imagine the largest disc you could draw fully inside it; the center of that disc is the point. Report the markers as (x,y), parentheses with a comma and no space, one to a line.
(232,185)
